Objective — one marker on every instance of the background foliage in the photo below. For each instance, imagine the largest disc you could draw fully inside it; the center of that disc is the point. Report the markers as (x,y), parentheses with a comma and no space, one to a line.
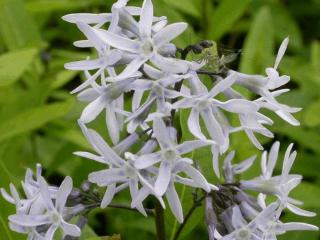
(38,115)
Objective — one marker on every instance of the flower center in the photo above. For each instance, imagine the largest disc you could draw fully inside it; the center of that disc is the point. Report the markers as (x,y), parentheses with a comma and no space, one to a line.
(147,48)
(243,234)
(55,217)
(130,172)
(203,104)
(170,155)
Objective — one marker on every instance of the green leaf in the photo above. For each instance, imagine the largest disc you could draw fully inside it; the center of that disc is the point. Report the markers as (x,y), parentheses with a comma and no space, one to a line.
(14,64)
(186,6)
(312,116)
(33,119)
(310,190)
(315,55)
(225,16)
(114,237)
(5,232)
(285,26)
(47,6)
(17,28)
(258,46)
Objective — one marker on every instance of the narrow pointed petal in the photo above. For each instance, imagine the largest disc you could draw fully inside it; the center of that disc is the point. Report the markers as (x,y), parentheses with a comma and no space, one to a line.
(240,106)
(286,116)
(196,176)
(92,36)
(170,65)
(131,69)
(161,133)
(44,191)
(107,176)
(136,100)
(272,158)
(93,109)
(299,211)
(147,160)
(108,196)
(174,203)
(110,155)
(189,146)
(244,165)
(281,52)
(70,229)
(87,18)
(222,85)
(288,161)
(112,124)
(213,126)
(134,191)
(63,193)
(90,156)
(119,42)
(50,232)
(298,226)
(88,95)
(194,124)
(29,220)
(168,33)
(90,80)
(163,179)
(215,160)
(146,18)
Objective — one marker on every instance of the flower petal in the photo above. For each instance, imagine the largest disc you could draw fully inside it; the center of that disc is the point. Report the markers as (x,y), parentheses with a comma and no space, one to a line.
(146,19)
(112,124)
(189,146)
(44,192)
(298,226)
(282,50)
(299,211)
(92,36)
(164,178)
(29,220)
(50,232)
(147,160)
(87,18)
(161,133)
(169,33)
(222,85)
(70,229)
(119,42)
(109,154)
(63,193)
(93,109)
(170,65)
(108,196)
(174,202)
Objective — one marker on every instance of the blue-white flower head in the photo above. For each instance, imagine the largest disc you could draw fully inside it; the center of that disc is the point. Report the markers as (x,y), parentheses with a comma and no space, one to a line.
(52,216)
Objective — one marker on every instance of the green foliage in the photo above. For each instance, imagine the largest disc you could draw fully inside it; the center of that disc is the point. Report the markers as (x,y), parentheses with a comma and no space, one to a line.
(38,115)
(225,16)
(258,46)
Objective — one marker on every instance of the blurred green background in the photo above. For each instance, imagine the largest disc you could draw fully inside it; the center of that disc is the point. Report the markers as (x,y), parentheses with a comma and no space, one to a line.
(38,115)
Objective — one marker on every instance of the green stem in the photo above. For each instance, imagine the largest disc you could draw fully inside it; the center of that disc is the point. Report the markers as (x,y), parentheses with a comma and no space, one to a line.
(197,203)
(159,220)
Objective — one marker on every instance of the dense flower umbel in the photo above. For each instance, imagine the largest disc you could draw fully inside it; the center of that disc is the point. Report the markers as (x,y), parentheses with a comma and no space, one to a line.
(44,209)
(145,152)
(244,216)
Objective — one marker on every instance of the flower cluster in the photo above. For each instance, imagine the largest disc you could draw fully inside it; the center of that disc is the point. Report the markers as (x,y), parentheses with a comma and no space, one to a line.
(232,213)
(136,59)
(44,209)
